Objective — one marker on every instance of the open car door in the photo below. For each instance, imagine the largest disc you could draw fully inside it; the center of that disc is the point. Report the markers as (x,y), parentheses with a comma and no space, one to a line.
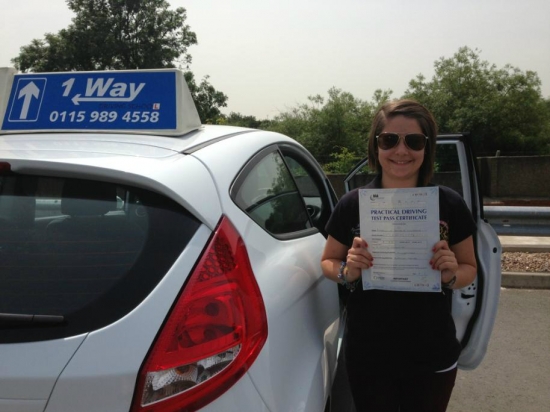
(475,306)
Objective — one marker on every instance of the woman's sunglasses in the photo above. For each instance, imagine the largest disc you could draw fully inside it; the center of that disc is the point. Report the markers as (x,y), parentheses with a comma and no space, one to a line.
(414,141)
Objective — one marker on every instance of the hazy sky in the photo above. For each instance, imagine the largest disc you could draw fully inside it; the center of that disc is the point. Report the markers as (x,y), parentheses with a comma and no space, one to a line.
(269,56)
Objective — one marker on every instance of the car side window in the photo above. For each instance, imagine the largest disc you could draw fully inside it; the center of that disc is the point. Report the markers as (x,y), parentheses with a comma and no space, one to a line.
(266,191)
(310,183)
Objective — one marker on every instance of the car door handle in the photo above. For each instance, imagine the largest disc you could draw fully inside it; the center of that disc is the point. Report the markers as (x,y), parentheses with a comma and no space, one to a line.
(465,296)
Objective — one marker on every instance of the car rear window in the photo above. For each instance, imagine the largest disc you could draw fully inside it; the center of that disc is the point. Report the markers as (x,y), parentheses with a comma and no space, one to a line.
(76,255)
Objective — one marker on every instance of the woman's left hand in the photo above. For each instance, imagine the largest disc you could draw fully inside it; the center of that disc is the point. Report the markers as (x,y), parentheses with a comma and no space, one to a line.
(444,260)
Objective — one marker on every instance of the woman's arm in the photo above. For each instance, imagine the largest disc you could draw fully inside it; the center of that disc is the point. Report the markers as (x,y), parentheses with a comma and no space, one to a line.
(458,260)
(357,257)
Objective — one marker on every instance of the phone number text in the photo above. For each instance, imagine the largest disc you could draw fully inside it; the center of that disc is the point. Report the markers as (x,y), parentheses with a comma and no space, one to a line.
(103,117)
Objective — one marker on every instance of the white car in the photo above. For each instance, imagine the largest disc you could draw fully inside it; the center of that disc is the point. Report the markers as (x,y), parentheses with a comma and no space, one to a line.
(151,263)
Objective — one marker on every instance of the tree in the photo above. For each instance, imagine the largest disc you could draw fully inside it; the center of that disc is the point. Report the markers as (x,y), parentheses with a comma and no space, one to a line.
(122,34)
(332,129)
(343,162)
(207,99)
(238,119)
(502,108)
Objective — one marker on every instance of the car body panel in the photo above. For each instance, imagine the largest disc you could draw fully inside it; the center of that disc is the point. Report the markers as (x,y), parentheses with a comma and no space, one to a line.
(242,395)
(302,315)
(22,405)
(29,371)
(121,143)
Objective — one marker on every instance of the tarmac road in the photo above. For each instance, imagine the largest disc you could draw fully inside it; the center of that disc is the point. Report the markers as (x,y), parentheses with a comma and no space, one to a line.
(515,374)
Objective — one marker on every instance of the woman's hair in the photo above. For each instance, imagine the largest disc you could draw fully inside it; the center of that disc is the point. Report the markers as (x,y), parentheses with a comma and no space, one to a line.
(413,110)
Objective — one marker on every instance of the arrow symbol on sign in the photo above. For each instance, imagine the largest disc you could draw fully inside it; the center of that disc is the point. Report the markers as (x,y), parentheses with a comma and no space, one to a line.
(28,92)
(77,99)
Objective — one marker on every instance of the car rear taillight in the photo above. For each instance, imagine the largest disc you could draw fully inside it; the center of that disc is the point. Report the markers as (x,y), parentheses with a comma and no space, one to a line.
(212,335)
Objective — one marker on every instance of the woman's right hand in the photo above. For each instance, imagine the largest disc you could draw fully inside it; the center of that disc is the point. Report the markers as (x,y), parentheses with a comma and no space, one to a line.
(358,258)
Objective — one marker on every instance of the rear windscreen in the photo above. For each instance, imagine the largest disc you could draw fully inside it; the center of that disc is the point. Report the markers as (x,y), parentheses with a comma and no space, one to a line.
(77,255)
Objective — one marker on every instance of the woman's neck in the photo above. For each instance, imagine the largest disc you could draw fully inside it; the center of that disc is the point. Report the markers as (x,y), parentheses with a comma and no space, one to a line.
(388,183)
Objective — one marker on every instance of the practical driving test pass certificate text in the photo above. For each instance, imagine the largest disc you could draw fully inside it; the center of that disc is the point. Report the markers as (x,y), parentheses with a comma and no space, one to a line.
(401,226)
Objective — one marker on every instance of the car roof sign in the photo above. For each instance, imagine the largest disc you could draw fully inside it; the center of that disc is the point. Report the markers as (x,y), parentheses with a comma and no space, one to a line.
(123,101)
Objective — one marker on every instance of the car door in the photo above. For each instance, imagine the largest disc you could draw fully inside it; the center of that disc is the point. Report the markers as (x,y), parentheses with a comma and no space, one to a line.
(283,202)
(475,306)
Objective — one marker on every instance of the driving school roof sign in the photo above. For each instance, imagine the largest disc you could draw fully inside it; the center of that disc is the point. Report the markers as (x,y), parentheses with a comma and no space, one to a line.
(138,101)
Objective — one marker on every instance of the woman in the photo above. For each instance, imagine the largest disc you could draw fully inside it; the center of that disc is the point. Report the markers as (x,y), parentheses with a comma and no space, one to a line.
(401,348)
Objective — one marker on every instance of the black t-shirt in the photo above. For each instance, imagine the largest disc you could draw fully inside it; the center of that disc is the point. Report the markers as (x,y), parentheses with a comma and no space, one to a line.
(402,331)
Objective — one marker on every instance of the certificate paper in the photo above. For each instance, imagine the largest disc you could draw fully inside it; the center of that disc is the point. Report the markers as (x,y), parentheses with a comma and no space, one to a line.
(400,226)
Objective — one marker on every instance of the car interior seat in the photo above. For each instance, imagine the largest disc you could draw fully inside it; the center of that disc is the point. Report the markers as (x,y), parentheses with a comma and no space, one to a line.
(92,247)
(7,234)
(86,224)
